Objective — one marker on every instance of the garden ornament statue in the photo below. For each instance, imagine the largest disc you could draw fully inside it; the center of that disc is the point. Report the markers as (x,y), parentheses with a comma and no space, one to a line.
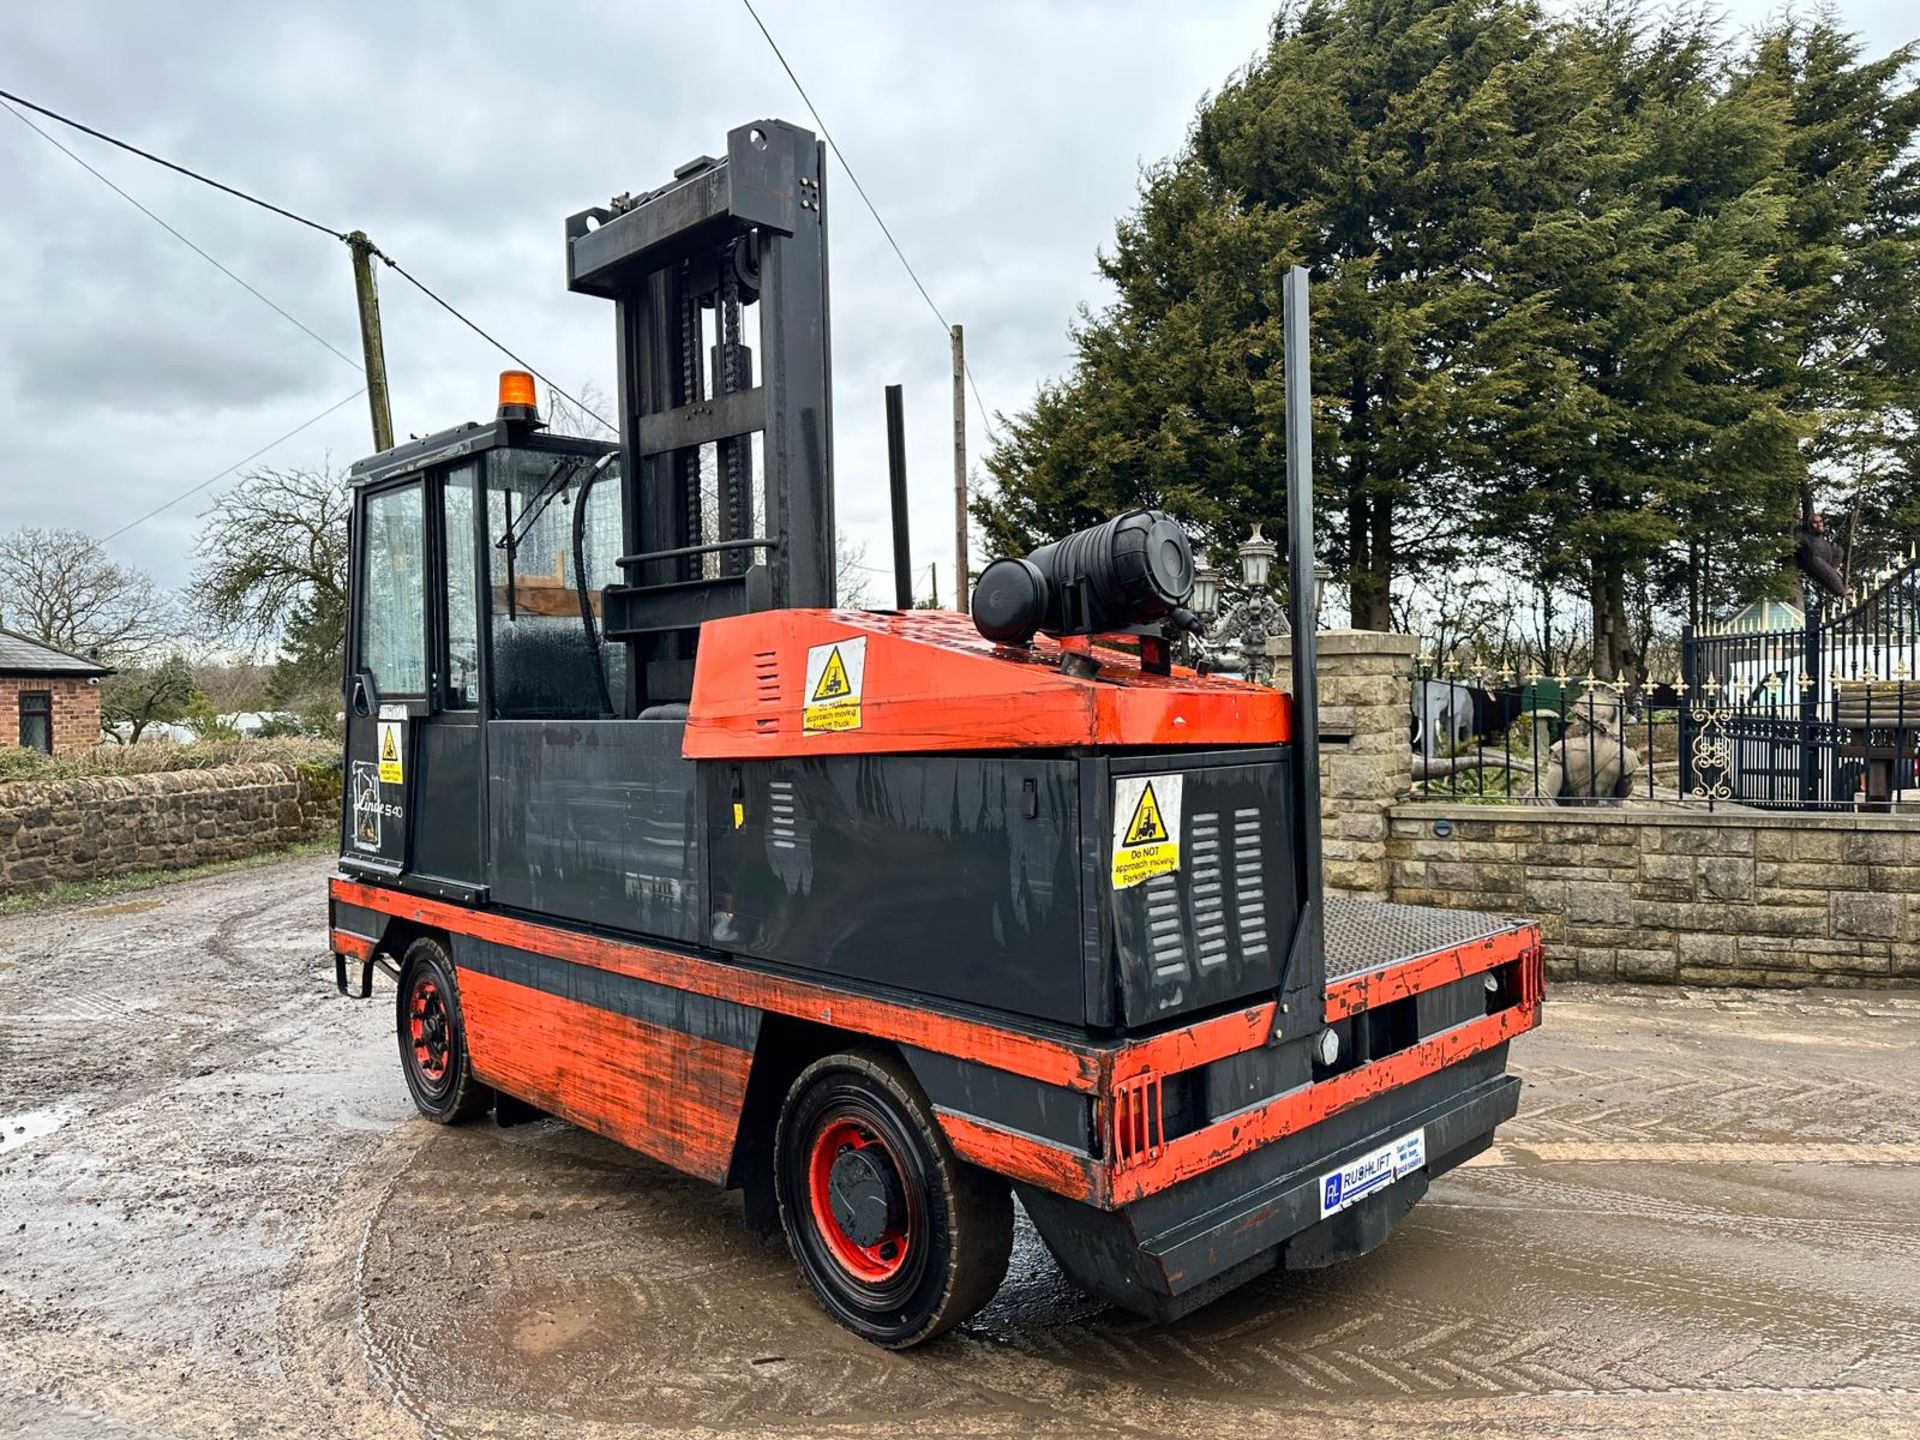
(1591,763)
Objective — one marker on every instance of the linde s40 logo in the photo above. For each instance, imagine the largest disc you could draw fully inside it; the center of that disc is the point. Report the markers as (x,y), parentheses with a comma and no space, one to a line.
(1146,828)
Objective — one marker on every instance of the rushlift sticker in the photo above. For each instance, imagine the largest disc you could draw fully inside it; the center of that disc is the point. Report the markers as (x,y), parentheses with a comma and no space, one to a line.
(393,721)
(834,676)
(1146,828)
(1353,1182)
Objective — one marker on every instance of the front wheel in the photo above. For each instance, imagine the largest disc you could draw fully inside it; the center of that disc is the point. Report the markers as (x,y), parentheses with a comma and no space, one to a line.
(433,1037)
(900,1240)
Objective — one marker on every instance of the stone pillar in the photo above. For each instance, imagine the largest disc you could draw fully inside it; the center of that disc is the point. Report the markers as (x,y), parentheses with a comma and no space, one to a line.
(1366,757)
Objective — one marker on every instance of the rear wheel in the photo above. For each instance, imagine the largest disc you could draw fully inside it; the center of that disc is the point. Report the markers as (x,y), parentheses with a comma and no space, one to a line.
(433,1040)
(899,1239)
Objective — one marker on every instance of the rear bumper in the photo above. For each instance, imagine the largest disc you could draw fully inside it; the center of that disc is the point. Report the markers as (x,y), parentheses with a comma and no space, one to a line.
(1175,1250)
(1458,1009)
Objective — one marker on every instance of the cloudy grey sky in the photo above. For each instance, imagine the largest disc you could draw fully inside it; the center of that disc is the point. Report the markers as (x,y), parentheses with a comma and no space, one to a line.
(1000,140)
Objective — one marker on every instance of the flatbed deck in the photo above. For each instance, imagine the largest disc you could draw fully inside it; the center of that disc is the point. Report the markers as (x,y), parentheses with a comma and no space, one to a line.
(1363,935)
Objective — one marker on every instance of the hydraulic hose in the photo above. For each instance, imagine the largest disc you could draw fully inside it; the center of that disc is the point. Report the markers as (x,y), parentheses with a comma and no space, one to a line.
(580,581)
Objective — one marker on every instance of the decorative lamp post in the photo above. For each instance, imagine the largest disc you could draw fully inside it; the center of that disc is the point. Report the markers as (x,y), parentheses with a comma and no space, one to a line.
(1243,616)
(1206,590)
(1256,560)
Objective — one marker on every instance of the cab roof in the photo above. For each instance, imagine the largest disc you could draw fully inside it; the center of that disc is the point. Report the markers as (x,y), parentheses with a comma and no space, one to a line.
(470,439)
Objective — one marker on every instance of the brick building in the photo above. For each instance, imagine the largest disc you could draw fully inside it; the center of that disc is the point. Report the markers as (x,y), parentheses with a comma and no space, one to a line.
(49,699)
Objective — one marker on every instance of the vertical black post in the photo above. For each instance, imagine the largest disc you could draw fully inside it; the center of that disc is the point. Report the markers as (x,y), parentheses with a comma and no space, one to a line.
(897,490)
(1682,726)
(1306,695)
(1810,701)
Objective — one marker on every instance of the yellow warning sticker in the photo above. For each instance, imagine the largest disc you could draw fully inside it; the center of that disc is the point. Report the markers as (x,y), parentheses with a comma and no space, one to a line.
(391,771)
(835,675)
(739,814)
(833,680)
(1146,828)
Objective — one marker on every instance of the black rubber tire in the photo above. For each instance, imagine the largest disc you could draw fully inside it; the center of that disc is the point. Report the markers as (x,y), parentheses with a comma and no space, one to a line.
(453,1094)
(961,1231)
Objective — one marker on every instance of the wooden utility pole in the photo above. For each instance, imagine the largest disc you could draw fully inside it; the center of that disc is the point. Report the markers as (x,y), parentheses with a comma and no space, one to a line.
(370,342)
(959,470)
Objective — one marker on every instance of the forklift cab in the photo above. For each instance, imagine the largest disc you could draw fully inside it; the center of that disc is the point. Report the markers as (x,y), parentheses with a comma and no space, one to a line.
(479,557)
(526,608)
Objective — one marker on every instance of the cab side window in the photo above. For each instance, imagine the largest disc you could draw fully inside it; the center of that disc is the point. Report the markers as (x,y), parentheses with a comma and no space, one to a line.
(547,662)
(393,580)
(462,685)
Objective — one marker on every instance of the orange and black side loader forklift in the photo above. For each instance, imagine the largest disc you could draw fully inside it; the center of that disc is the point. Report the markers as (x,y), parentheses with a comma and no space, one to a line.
(881,916)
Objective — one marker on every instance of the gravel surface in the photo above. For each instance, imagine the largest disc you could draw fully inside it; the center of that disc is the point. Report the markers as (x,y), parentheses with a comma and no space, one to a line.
(220,1218)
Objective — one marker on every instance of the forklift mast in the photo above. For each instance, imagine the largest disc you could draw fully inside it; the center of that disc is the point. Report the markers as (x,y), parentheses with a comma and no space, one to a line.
(685,266)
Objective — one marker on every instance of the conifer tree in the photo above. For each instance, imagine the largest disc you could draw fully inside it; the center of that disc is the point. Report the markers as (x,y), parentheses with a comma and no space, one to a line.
(1392,146)
(1597,302)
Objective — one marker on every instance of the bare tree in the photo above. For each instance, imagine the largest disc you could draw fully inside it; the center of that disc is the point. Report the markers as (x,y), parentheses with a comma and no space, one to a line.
(272,563)
(59,587)
(850,572)
(144,695)
(564,417)
(231,684)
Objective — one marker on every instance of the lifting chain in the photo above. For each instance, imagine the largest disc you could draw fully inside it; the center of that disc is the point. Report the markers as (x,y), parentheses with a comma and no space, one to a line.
(737,502)
(691,390)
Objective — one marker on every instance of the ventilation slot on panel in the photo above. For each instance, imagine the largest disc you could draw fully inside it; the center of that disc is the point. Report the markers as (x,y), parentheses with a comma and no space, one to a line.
(766,691)
(1139,1119)
(1209,899)
(1166,930)
(783,825)
(1249,884)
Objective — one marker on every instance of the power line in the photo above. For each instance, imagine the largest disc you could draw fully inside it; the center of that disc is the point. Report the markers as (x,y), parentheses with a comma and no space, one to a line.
(524,365)
(244,285)
(186,494)
(277,210)
(159,160)
(872,210)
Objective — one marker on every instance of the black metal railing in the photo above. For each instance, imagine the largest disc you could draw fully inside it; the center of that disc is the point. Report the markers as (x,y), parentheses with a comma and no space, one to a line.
(1499,736)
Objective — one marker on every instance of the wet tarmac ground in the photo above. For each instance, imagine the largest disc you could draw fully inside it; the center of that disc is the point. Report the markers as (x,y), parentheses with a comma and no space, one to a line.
(220,1218)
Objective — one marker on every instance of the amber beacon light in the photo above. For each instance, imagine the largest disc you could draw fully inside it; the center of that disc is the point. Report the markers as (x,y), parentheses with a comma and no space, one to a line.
(518,399)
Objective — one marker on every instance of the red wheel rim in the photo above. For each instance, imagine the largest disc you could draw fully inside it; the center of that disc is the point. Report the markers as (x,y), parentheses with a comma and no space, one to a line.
(882,1259)
(427,1028)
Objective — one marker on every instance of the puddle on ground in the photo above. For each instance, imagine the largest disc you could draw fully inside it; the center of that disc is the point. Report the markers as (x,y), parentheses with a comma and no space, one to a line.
(125,907)
(30,1125)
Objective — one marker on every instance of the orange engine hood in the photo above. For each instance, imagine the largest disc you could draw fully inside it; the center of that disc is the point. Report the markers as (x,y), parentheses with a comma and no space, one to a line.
(860,682)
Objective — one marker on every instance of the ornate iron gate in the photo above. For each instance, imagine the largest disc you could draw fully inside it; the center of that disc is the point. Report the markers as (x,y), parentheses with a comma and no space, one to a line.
(1825,714)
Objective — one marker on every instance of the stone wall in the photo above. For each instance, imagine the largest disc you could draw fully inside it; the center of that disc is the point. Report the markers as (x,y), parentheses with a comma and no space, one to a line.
(76,710)
(1366,762)
(1728,898)
(75,830)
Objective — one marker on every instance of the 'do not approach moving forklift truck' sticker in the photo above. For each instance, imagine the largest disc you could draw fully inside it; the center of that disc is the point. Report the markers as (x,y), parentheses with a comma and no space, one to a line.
(1146,828)
(835,674)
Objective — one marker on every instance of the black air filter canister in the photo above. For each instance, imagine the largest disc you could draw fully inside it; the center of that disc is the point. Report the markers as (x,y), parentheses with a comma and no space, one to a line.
(1131,570)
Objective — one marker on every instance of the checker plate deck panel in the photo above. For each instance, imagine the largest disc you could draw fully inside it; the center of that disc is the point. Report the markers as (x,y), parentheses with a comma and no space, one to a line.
(1367,934)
